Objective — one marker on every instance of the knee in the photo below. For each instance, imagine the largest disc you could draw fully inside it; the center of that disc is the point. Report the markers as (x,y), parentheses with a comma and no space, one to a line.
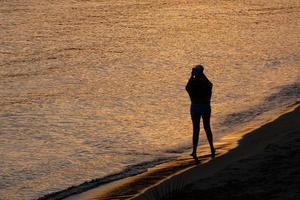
(207,128)
(196,129)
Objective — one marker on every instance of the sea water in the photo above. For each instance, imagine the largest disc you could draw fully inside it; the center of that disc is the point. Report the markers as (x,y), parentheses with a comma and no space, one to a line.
(91,88)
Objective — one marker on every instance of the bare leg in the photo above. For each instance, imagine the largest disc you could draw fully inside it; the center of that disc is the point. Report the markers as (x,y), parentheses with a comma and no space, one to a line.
(206,124)
(196,130)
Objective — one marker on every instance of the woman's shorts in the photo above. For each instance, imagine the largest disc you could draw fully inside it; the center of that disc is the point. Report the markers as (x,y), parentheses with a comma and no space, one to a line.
(200,109)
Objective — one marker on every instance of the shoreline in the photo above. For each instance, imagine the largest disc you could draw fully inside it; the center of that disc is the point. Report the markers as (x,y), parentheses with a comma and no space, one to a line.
(176,173)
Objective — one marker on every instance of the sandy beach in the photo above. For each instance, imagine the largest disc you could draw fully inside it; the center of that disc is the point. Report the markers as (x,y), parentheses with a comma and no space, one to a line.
(251,164)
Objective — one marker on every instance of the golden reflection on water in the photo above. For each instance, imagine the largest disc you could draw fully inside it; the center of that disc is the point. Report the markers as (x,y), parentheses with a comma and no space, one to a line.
(100,85)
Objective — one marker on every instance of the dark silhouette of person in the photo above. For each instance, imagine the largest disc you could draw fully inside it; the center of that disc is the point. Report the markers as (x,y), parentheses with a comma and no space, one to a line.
(199,89)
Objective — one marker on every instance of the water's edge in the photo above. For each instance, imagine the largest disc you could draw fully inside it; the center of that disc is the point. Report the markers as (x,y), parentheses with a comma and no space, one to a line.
(131,170)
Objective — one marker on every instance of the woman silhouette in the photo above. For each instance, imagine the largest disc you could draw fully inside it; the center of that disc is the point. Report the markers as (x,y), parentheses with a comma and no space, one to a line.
(200,91)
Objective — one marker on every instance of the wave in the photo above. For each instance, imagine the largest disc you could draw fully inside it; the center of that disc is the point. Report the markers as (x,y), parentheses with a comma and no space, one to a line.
(283,97)
(130,170)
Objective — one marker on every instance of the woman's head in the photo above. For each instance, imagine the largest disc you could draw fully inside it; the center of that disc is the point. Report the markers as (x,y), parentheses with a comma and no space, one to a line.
(198,70)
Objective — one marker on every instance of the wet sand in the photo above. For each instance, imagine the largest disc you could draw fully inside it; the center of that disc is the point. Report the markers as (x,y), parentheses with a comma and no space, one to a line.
(250,164)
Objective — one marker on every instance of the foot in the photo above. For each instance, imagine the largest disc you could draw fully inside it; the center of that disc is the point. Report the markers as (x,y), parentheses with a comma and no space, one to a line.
(213,153)
(194,155)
